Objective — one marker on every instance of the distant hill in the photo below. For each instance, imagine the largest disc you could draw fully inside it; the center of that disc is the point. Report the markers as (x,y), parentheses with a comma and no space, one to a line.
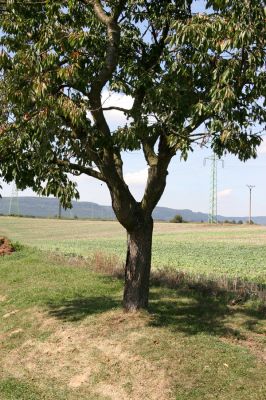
(48,207)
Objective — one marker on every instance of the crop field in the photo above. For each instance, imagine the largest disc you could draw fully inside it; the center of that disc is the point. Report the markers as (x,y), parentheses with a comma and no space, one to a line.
(64,336)
(215,251)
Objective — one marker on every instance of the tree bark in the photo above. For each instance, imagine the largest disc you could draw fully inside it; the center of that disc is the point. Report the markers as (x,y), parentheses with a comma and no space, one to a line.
(138,266)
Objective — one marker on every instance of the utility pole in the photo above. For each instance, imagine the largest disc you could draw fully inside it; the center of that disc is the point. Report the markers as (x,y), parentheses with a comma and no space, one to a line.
(212,217)
(250,193)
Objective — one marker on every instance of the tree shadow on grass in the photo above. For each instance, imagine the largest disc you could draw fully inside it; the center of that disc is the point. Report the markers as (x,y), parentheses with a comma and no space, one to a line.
(72,310)
(193,313)
(188,311)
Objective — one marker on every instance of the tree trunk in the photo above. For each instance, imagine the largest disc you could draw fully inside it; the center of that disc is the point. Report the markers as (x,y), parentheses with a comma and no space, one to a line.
(138,266)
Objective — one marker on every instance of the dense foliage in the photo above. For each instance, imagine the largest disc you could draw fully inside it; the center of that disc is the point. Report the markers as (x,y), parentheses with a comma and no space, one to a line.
(182,69)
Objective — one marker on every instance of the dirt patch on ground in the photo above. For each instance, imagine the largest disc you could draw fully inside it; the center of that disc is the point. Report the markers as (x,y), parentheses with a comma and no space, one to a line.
(5,246)
(9,314)
(103,363)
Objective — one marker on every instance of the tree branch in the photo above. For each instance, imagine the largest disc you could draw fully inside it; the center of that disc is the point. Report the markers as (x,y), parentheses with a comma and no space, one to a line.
(99,11)
(149,64)
(110,158)
(113,39)
(158,166)
(111,60)
(148,150)
(84,170)
(124,110)
(118,9)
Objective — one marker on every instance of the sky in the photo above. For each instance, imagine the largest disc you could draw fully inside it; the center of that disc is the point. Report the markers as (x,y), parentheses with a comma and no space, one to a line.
(188,183)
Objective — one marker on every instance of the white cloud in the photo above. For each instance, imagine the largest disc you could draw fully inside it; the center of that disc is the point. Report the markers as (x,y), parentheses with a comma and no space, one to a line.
(224,193)
(114,117)
(116,99)
(138,178)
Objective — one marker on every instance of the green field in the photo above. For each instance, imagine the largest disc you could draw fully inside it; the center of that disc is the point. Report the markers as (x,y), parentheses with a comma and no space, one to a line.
(64,336)
(234,251)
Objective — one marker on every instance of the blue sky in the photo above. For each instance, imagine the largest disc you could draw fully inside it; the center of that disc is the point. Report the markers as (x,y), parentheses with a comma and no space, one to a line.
(188,182)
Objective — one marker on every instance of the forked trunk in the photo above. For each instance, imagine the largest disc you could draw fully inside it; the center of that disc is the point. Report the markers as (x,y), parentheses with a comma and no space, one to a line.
(138,266)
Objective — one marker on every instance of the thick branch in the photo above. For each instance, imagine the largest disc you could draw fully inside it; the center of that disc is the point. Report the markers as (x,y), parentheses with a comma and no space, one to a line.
(113,39)
(111,60)
(149,153)
(99,11)
(157,176)
(110,159)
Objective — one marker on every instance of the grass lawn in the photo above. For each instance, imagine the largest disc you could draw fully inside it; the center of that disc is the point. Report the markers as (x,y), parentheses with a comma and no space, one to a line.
(63,335)
(234,251)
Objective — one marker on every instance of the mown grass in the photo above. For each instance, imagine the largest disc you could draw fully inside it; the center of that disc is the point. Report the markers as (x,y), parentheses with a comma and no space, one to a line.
(64,335)
(234,251)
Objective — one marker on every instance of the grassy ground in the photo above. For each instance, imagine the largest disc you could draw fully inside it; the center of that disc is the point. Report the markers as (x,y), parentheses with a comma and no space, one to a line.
(235,251)
(63,335)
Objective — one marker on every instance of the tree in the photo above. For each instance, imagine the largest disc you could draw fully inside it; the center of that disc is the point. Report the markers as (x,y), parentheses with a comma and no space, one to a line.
(177,219)
(182,70)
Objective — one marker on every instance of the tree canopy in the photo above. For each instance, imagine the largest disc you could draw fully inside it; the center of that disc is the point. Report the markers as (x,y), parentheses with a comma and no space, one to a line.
(193,78)
(181,69)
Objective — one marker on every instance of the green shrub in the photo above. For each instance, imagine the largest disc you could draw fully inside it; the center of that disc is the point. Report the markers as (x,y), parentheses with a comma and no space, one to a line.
(178,219)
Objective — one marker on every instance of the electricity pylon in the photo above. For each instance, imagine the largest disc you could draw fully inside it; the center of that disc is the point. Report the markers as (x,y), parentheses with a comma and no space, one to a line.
(250,187)
(14,203)
(212,216)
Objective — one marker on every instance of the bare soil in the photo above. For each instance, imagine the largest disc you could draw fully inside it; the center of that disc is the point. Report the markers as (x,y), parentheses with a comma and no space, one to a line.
(104,364)
(5,246)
